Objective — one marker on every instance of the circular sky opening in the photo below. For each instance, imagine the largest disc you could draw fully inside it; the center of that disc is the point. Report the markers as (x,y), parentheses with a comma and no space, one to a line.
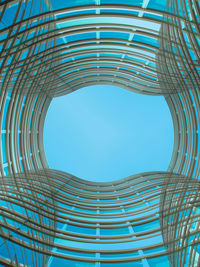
(103,133)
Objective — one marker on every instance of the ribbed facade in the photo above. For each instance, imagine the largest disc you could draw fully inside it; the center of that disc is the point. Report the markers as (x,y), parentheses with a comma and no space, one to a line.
(51,218)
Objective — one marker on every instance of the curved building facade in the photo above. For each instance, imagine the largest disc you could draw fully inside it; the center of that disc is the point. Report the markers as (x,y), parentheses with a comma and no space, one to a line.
(47,50)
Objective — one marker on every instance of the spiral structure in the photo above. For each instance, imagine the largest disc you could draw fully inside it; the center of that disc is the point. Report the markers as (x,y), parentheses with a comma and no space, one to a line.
(51,218)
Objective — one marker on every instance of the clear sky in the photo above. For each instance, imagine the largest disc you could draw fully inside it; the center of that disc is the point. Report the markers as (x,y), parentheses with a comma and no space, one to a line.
(104,133)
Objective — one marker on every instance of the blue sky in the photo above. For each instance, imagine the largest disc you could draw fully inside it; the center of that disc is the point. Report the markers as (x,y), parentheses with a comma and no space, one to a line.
(104,133)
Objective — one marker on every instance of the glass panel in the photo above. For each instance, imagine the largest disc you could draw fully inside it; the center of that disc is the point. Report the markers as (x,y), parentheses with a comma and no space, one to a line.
(114,35)
(120,255)
(81,230)
(123,264)
(83,36)
(4,114)
(159,261)
(118,231)
(3,145)
(157,4)
(57,4)
(121,2)
(55,262)
(146,226)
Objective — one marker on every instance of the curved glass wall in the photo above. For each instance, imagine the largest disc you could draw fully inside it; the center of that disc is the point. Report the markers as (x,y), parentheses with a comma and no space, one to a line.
(47,50)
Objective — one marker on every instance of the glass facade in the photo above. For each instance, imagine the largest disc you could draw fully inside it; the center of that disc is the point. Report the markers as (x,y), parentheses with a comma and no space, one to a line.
(52,48)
